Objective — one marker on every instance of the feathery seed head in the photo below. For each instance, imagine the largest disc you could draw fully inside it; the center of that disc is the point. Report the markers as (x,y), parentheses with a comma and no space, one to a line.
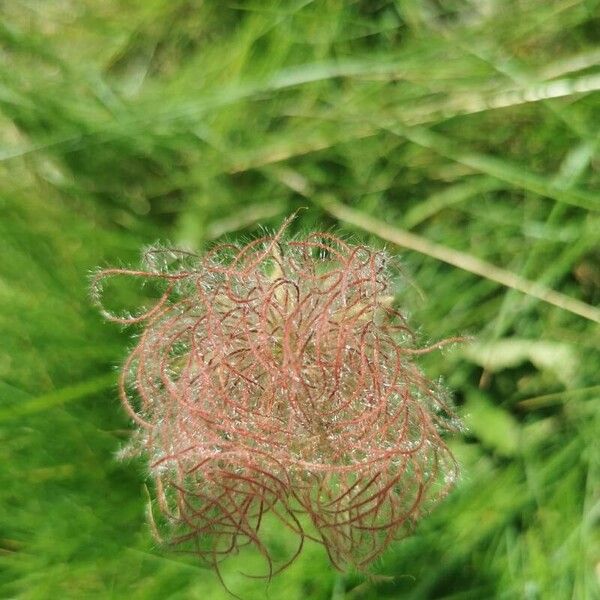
(276,378)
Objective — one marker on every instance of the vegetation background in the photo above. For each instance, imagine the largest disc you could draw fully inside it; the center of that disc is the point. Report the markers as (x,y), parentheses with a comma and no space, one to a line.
(471,124)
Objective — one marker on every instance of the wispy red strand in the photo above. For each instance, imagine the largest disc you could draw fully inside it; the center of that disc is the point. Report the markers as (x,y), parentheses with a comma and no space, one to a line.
(276,378)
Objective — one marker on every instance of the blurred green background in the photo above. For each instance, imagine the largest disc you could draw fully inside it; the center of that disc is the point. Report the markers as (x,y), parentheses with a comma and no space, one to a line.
(473,124)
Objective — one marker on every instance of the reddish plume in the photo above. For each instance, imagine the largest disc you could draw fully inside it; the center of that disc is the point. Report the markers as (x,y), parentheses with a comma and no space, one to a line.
(275,378)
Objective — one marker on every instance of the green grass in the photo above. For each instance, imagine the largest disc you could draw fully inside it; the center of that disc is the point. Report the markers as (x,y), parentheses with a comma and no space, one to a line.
(474,125)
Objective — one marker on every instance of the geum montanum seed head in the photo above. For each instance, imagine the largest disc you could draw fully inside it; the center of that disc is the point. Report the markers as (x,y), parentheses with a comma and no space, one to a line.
(275,378)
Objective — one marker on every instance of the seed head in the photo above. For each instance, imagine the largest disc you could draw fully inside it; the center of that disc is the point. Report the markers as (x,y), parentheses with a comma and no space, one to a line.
(275,378)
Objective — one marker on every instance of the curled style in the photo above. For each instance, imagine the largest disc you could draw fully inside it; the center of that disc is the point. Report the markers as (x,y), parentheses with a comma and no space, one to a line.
(275,378)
